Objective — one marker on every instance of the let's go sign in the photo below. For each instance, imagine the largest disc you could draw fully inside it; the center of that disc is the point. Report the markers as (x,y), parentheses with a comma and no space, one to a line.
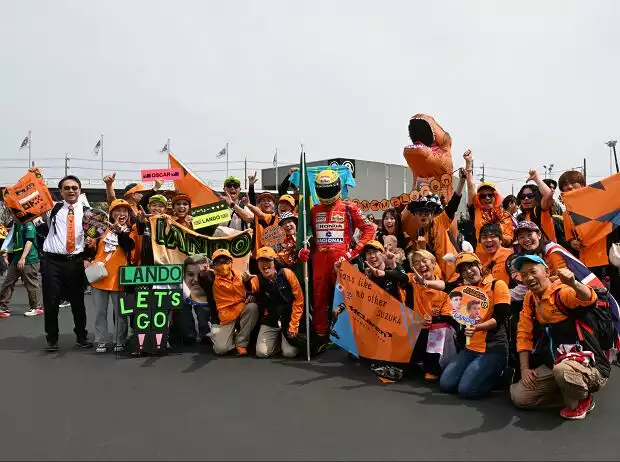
(150,275)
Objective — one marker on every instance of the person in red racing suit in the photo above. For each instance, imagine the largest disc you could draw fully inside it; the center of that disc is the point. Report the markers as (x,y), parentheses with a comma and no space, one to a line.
(333,223)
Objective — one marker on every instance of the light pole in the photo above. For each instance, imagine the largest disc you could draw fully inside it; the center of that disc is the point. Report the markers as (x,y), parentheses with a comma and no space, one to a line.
(548,170)
(612,148)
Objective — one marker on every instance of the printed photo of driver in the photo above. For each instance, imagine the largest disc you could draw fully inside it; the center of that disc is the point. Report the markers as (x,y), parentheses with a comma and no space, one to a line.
(473,309)
(455,300)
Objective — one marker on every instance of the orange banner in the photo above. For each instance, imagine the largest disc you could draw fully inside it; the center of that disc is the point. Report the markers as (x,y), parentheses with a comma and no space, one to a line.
(595,209)
(424,188)
(29,198)
(370,323)
(193,186)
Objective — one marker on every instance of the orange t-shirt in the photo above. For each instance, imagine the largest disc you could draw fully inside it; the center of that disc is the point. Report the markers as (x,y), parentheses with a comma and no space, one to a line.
(229,294)
(496,265)
(431,302)
(545,310)
(546,222)
(443,245)
(117,259)
(591,255)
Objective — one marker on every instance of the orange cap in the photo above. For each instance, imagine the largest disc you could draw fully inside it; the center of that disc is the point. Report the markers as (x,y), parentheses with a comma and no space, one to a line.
(266,252)
(221,253)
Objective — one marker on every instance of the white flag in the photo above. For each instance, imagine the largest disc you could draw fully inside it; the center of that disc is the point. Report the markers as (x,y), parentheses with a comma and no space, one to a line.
(97,148)
(25,143)
(222,153)
(275,159)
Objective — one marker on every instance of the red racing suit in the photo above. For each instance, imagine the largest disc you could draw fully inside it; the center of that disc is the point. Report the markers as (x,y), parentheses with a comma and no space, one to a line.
(332,229)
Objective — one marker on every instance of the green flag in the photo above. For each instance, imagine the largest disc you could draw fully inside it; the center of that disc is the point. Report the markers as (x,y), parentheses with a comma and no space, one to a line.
(304,228)
(304,236)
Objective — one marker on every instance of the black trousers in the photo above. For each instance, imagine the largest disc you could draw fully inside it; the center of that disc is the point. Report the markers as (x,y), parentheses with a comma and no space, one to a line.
(63,280)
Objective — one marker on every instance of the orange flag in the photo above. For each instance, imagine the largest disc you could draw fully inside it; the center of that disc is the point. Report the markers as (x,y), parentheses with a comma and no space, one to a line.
(193,186)
(595,209)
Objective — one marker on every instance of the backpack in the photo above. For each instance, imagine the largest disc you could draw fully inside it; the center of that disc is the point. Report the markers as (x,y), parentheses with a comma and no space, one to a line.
(595,318)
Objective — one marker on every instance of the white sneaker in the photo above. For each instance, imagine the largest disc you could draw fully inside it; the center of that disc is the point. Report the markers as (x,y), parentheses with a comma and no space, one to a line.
(101,348)
(34,312)
(64,305)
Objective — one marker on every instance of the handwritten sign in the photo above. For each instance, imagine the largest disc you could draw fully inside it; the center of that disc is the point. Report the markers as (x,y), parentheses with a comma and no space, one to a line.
(162,174)
(370,323)
(274,236)
(94,223)
(29,198)
(151,310)
(150,275)
(210,214)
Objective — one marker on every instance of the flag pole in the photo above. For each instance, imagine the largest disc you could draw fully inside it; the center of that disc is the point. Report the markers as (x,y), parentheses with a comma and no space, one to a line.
(226,159)
(168,152)
(29,147)
(304,196)
(276,159)
(102,155)
(245,173)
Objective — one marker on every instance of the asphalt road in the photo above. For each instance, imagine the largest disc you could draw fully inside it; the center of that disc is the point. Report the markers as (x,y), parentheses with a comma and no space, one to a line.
(193,406)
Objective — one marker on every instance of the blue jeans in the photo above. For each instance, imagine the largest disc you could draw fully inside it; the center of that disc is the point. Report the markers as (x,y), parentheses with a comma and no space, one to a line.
(472,374)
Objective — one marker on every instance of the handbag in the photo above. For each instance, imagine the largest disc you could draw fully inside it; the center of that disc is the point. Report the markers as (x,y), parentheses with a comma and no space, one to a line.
(95,271)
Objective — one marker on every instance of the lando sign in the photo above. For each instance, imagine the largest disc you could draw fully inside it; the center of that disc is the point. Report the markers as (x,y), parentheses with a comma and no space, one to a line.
(149,275)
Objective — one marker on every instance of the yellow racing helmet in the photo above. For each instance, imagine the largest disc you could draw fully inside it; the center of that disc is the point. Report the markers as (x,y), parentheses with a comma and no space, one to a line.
(328,186)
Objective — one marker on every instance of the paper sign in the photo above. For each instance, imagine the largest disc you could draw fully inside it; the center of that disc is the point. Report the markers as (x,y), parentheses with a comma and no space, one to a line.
(274,236)
(162,174)
(469,305)
(150,309)
(94,223)
(150,275)
(210,214)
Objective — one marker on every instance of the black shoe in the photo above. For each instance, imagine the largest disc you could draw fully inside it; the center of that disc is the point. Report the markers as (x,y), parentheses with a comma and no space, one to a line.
(51,347)
(84,343)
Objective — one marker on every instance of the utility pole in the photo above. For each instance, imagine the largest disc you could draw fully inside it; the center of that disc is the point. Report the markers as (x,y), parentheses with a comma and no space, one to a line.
(66,163)
(584,171)
(482,177)
(387,181)
(245,174)
(548,170)
(612,147)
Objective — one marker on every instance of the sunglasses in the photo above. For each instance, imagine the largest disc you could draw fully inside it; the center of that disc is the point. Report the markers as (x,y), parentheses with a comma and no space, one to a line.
(232,185)
(70,188)
(528,196)
(486,196)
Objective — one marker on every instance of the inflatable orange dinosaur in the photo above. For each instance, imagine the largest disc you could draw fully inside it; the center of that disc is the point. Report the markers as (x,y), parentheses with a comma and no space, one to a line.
(430,160)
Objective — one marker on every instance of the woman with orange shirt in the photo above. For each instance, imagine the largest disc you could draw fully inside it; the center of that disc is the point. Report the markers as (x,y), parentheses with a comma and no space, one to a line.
(476,369)
(485,205)
(434,308)
(113,250)
(491,253)
(536,201)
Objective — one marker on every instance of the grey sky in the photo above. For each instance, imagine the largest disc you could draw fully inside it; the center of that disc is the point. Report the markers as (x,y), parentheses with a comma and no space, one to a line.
(520,83)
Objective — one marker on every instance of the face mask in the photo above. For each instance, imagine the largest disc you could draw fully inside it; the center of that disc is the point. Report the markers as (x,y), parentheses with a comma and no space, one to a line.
(223,270)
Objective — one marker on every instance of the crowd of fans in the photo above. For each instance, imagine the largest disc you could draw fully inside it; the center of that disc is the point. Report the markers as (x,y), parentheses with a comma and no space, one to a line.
(513,249)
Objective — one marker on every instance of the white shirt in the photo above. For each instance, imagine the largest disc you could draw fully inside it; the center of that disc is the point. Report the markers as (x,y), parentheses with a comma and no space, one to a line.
(56,240)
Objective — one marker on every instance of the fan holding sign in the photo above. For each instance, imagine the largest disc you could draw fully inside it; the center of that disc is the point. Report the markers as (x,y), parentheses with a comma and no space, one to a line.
(483,306)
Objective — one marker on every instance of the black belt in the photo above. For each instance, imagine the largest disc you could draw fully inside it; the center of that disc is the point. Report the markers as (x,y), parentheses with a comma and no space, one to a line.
(61,257)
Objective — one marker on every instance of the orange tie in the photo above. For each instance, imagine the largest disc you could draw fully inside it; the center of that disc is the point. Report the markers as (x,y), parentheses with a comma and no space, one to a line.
(70,230)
